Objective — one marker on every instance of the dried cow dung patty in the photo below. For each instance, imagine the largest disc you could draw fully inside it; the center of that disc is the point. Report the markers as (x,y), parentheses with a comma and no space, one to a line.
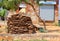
(18,24)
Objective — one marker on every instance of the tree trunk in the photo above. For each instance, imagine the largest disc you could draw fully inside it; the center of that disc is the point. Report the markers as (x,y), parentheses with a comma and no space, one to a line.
(37,15)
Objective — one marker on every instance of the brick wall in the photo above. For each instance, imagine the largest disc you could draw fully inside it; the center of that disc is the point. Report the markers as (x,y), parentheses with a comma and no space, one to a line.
(32,14)
(34,18)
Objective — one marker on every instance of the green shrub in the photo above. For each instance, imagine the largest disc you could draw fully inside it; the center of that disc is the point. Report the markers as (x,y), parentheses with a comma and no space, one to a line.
(2,12)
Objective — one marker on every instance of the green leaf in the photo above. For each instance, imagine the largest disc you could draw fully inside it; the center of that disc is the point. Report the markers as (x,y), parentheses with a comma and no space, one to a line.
(2,12)
(27,1)
(12,4)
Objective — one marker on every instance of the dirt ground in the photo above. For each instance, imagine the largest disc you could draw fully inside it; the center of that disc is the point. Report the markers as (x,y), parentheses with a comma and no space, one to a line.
(52,34)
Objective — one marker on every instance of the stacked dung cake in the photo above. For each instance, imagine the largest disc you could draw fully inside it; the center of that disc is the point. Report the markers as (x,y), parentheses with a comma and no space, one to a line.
(18,24)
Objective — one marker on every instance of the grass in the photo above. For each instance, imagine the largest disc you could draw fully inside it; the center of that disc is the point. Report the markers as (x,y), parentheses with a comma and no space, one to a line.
(37,40)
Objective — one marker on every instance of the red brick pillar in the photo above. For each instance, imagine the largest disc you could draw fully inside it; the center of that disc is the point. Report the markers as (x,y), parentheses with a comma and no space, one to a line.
(31,13)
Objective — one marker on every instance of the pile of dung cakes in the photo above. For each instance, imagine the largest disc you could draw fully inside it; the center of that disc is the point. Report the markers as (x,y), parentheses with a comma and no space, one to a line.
(19,24)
